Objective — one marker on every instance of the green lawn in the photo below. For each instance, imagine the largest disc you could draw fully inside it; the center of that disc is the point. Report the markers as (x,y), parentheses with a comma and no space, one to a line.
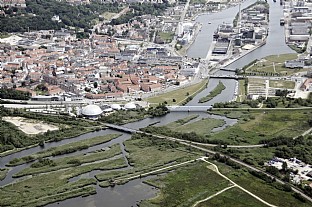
(282,84)
(233,197)
(179,95)
(186,185)
(65,149)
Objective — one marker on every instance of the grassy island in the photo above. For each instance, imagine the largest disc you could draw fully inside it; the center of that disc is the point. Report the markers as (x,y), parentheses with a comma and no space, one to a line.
(216,91)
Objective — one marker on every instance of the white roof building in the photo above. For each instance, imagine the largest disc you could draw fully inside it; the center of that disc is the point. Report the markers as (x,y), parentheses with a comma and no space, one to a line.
(91,111)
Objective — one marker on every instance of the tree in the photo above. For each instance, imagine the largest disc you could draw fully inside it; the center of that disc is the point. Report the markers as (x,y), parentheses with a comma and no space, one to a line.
(284,166)
(95,84)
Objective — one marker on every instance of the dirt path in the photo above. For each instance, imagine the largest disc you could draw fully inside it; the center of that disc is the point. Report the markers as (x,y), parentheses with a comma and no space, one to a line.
(214,195)
(235,185)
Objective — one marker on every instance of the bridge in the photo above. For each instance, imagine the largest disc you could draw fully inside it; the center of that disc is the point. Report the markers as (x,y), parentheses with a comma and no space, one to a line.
(123,129)
(228,69)
(189,108)
(236,77)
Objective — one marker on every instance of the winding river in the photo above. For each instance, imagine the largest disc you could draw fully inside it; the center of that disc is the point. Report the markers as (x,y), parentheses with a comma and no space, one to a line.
(134,191)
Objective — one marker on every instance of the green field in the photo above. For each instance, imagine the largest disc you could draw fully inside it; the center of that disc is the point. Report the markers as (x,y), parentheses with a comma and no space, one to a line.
(232,198)
(274,65)
(282,84)
(150,152)
(186,185)
(201,127)
(260,188)
(259,125)
(65,149)
(146,154)
(216,91)
(166,36)
(178,96)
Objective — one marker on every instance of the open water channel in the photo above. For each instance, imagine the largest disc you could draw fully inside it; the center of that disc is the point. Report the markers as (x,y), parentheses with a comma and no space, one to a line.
(134,191)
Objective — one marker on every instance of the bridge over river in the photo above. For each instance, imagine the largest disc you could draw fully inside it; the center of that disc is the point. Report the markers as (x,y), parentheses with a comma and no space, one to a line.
(189,108)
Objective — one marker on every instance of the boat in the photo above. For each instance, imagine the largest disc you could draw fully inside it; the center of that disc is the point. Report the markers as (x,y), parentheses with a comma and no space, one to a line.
(209,22)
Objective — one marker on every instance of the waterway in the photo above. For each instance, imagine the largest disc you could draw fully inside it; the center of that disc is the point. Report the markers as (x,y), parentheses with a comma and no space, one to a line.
(125,195)
(134,191)
(275,45)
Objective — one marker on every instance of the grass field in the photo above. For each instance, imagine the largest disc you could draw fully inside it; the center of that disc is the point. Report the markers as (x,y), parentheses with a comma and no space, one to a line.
(201,127)
(179,95)
(186,185)
(265,125)
(146,154)
(166,36)
(274,64)
(64,149)
(282,84)
(259,187)
(232,198)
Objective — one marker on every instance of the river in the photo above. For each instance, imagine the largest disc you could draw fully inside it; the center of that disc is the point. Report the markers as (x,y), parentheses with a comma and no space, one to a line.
(125,195)
(275,45)
(134,191)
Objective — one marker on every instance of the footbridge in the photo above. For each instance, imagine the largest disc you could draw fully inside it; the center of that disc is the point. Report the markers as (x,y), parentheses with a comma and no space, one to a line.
(189,108)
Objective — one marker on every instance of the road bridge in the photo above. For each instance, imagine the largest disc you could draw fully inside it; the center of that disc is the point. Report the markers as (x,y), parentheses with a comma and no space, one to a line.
(228,69)
(189,108)
(236,77)
(121,128)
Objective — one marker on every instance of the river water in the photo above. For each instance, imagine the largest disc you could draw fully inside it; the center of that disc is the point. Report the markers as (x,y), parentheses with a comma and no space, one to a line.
(134,191)
(275,45)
